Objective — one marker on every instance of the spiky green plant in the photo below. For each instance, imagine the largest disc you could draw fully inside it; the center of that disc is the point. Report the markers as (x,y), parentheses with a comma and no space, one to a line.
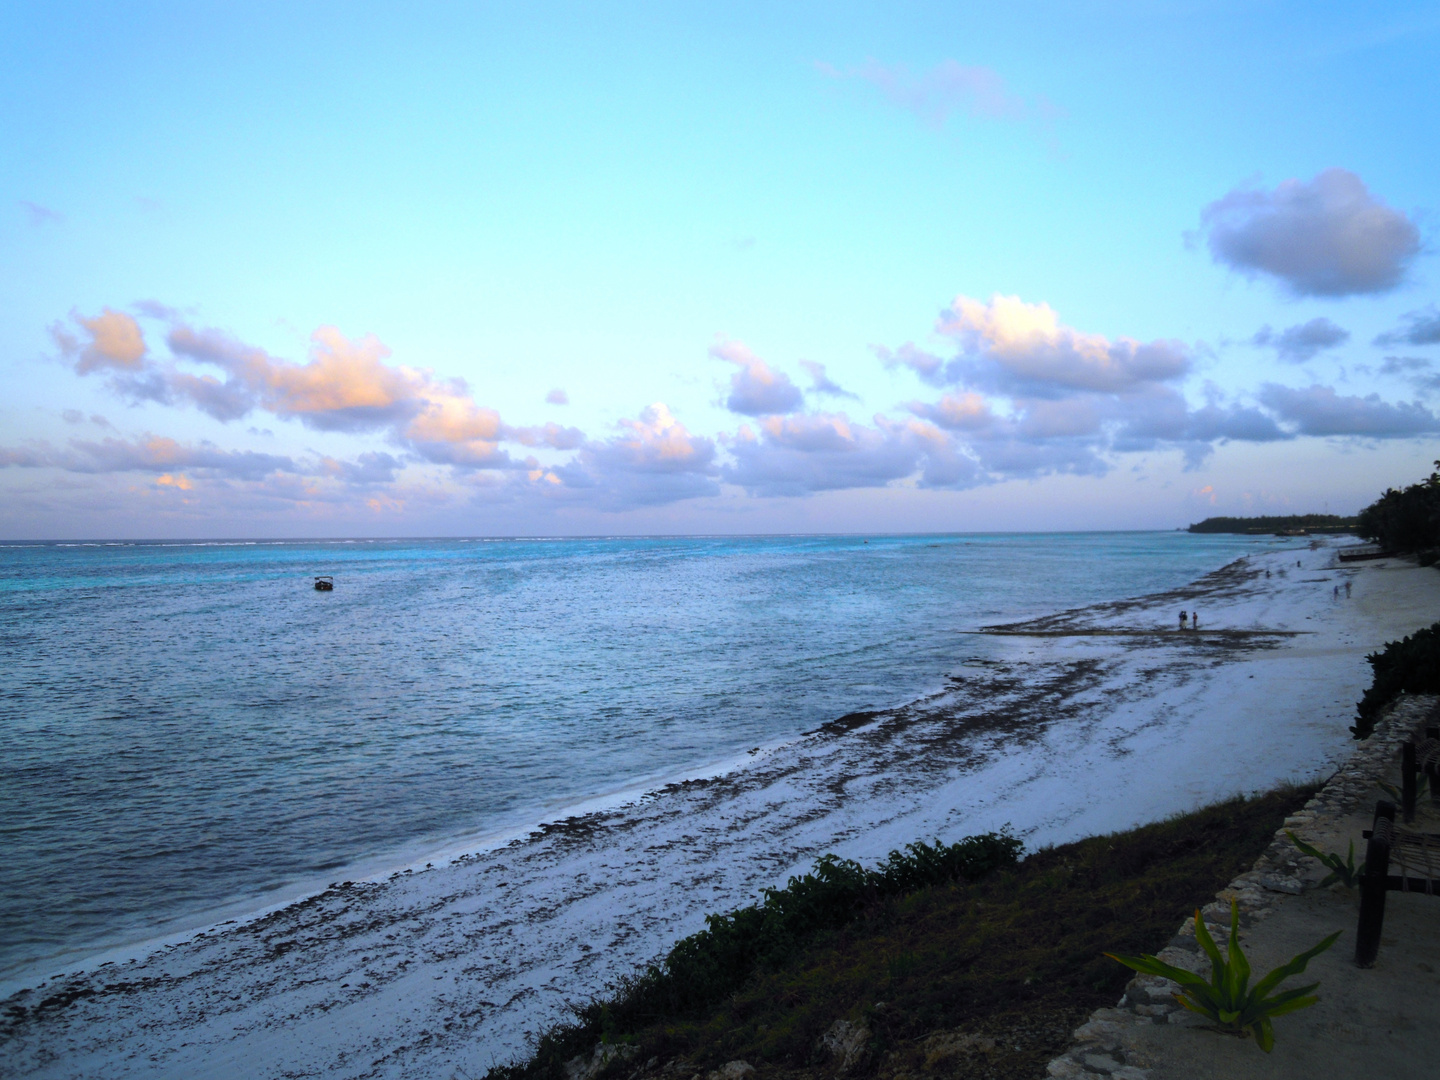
(1227,999)
(1344,871)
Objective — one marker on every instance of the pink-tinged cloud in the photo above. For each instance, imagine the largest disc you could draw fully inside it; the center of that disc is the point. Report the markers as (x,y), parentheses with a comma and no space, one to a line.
(967,411)
(652,460)
(756,389)
(113,341)
(946,89)
(556,436)
(1023,348)
(346,384)
(557,397)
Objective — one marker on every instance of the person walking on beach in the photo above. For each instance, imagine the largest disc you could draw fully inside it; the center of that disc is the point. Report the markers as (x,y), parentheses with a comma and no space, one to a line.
(1347,590)
(1183,617)
(1194,620)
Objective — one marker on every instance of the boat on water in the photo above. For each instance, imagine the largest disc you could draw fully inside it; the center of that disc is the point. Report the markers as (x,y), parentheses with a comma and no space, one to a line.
(325,583)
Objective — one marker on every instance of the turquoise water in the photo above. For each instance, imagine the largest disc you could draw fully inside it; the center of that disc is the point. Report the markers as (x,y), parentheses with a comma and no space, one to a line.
(188,729)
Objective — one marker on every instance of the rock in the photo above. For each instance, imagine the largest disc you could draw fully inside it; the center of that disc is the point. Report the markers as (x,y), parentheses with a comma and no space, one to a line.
(846,1041)
(1062,1068)
(1101,1063)
(732,1070)
(582,1067)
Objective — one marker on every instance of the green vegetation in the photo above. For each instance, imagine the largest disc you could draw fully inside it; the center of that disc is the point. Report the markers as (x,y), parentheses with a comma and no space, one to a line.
(1013,953)
(1342,870)
(1410,665)
(1320,523)
(1407,520)
(1226,1000)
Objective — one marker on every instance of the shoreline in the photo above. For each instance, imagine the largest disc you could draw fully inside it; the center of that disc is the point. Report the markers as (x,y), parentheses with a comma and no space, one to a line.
(1046,738)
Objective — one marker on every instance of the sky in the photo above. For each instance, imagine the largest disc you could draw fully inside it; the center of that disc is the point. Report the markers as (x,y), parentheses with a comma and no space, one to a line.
(314,270)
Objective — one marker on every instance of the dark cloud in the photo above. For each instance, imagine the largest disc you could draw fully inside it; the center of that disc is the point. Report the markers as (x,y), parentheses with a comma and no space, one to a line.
(1319,410)
(1303,341)
(821,383)
(1421,328)
(1327,237)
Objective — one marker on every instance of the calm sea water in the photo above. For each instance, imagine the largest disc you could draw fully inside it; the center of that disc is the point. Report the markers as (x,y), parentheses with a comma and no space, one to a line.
(190,730)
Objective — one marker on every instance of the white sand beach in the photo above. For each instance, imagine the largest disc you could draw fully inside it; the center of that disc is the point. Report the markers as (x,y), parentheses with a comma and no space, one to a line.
(1093,721)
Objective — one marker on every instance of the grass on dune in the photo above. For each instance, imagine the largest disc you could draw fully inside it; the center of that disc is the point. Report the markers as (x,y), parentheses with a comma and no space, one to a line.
(1011,954)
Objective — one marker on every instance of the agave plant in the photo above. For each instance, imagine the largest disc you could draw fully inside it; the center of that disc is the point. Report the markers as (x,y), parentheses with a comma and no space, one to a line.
(1227,999)
(1346,872)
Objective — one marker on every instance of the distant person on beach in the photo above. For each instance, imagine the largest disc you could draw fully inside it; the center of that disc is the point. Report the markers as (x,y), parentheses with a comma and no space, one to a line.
(1347,590)
(1335,593)
(1267,573)
(1194,620)
(1183,617)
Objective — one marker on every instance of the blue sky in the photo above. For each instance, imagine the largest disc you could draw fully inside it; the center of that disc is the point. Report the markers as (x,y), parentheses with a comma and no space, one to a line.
(549,269)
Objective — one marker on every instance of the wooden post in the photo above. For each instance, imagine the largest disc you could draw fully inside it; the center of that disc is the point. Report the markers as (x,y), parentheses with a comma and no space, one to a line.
(1407,781)
(1372,886)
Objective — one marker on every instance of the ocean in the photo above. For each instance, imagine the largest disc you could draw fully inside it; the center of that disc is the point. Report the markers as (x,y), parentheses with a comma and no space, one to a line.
(189,732)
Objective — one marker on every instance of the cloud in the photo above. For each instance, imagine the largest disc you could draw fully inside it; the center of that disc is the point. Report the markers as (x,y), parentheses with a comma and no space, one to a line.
(946,89)
(957,412)
(367,469)
(652,461)
(799,455)
(1319,410)
(1018,348)
(1400,365)
(149,453)
(929,367)
(821,383)
(115,342)
(1327,237)
(1303,341)
(557,397)
(41,215)
(552,435)
(345,385)
(756,389)
(1422,328)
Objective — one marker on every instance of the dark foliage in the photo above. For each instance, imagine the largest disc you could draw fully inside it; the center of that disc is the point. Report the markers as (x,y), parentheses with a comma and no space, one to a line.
(1015,957)
(1407,519)
(706,967)
(1410,665)
(1309,522)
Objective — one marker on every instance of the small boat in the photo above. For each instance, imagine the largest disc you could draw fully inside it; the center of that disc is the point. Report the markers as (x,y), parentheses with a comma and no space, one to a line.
(325,583)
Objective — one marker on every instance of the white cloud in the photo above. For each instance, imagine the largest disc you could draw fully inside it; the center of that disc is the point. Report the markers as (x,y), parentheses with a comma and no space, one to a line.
(1019,348)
